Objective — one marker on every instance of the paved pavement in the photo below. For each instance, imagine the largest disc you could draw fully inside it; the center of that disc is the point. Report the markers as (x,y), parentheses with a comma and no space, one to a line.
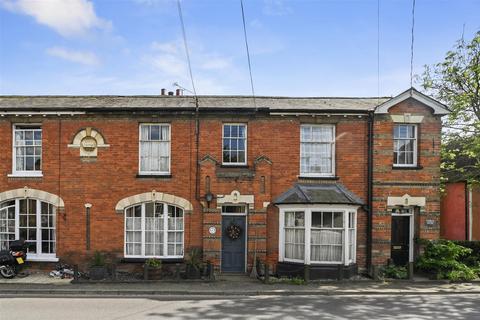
(230,286)
(438,307)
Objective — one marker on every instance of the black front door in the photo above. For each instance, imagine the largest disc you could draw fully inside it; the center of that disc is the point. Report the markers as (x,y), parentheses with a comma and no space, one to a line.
(233,243)
(400,240)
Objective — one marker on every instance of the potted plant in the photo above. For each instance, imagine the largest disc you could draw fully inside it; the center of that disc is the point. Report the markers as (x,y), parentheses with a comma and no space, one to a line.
(194,264)
(98,270)
(153,269)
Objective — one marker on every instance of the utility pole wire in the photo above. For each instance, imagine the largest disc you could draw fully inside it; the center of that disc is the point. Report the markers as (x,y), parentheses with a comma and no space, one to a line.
(378,52)
(180,15)
(411,48)
(248,54)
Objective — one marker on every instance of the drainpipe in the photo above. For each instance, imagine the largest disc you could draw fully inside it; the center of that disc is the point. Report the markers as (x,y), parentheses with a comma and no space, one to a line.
(197,143)
(470,213)
(369,191)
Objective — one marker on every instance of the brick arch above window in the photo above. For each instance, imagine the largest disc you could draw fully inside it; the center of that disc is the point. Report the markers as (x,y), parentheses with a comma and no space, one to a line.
(33,193)
(153,196)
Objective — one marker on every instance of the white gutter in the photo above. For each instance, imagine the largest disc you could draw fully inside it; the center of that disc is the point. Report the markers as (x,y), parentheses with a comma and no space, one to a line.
(42,113)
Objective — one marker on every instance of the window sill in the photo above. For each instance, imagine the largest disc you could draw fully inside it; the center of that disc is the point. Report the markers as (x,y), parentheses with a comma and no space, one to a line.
(318,177)
(41,259)
(224,165)
(407,168)
(142,260)
(153,176)
(25,175)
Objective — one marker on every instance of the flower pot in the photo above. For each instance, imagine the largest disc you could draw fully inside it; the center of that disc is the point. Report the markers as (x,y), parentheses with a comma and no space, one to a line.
(154,273)
(193,272)
(97,273)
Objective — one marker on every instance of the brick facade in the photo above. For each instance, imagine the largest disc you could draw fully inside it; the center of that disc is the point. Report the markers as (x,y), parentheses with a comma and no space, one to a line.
(272,168)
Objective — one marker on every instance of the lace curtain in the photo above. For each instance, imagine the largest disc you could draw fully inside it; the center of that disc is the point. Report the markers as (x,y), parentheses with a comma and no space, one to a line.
(154,148)
(316,149)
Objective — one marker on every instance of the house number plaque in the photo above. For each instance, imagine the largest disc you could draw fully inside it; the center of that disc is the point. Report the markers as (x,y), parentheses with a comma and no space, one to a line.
(212,230)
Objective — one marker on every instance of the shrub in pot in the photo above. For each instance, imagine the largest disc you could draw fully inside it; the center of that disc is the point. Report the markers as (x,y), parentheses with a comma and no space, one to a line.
(98,269)
(194,264)
(153,269)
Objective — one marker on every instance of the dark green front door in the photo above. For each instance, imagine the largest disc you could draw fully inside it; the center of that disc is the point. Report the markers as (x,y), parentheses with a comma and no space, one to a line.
(233,247)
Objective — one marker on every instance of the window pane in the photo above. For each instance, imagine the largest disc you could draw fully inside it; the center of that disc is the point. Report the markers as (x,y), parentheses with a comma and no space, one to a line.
(241,131)
(327,220)
(154,133)
(338,219)
(299,219)
(316,219)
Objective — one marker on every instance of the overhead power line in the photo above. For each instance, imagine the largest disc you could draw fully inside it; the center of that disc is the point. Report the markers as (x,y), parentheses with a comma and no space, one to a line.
(411,47)
(248,54)
(378,52)
(180,15)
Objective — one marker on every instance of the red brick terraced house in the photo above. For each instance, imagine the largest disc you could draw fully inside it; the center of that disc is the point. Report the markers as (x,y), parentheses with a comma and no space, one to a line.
(338,184)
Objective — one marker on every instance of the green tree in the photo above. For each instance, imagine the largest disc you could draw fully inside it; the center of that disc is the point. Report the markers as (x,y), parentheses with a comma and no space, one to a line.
(456,82)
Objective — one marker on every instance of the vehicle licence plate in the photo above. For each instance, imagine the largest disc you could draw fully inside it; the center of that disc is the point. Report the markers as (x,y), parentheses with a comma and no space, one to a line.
(20,260)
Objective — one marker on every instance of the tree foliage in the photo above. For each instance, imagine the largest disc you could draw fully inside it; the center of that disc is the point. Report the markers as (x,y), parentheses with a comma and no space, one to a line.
(456,82)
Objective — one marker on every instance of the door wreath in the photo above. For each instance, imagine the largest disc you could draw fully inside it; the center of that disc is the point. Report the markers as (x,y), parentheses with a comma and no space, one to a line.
(234,232)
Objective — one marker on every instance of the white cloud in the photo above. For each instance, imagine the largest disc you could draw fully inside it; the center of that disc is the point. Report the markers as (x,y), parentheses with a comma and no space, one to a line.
(211,71)
(68,18)
(276,8)
(166,47)
(216,63)
(82,57)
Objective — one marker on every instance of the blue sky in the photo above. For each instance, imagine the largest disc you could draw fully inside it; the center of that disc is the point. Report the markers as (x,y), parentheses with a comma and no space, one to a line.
(298,48)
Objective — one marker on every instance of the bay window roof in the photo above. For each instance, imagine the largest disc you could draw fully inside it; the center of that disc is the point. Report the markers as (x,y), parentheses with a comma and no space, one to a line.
(324,193)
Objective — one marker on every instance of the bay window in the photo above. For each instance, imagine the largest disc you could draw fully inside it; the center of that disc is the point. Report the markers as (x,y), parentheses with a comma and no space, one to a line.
(32,220)
(317,150)
(318,235)
(154,229)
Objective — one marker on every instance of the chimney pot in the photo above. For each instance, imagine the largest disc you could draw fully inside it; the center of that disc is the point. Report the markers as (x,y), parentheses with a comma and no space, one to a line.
(178,92)
(170,93)
(163,91)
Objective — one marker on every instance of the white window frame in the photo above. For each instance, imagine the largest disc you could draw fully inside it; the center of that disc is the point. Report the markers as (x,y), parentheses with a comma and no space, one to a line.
(415,145)
(169,149)
(333,145)
(47,257)
(246,144)
(165,232)
(307,209)
(25,173)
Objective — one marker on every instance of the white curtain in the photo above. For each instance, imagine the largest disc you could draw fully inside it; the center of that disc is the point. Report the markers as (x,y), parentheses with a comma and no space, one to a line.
(326,245)
(316,149)
(294,243)
(154,151)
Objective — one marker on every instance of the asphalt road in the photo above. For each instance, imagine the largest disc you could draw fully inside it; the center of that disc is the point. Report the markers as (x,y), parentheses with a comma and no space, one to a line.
(237,307)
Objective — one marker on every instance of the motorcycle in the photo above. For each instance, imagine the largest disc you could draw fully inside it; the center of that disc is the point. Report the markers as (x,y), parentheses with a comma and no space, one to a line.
(11,260)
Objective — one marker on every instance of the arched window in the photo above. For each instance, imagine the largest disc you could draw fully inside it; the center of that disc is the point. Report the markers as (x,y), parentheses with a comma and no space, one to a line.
(154,229)
(30,219)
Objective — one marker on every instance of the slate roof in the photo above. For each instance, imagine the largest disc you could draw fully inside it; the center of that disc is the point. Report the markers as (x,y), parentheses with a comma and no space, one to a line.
(117,103)
(331,193)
